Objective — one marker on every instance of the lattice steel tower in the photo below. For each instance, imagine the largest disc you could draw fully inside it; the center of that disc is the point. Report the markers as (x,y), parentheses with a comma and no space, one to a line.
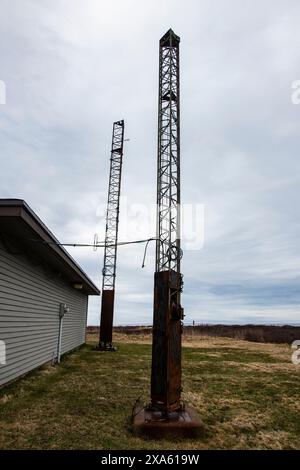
(168,158)
(111,237)
(166,415)
(167,325)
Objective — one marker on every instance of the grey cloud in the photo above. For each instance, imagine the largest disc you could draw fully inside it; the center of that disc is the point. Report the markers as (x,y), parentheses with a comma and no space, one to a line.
(72,68)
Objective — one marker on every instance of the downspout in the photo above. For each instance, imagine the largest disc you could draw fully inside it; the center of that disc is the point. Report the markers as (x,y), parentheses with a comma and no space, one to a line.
(62,310)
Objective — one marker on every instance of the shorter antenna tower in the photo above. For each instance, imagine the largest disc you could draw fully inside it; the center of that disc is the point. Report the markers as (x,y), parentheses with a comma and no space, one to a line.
(111,238)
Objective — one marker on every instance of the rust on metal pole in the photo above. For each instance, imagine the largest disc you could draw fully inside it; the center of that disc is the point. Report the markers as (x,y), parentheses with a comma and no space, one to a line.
(166,348)
(107,313)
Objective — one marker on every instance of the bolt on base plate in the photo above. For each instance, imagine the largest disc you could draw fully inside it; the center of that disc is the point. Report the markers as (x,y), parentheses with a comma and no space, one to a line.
(154,424)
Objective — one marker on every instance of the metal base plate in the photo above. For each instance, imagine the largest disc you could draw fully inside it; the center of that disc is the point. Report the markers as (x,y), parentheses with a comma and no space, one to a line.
(106,347)
(184,423)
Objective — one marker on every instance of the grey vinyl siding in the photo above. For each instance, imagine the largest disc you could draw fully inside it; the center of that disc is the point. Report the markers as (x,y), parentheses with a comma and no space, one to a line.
(30,296)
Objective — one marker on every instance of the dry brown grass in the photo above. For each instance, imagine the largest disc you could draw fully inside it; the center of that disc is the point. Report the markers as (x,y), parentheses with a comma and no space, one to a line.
(246,393)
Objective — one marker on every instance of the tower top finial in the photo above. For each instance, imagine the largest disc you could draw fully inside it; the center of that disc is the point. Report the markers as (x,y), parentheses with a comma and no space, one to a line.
(170,39)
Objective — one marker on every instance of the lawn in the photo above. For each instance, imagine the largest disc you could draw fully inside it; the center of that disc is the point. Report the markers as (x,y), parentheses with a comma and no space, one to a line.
(246,393)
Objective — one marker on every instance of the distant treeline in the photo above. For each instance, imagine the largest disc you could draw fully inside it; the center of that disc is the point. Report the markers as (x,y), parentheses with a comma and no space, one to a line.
(256,333)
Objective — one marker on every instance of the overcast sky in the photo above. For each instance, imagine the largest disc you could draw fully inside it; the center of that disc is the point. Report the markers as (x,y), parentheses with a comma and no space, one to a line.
(73,67)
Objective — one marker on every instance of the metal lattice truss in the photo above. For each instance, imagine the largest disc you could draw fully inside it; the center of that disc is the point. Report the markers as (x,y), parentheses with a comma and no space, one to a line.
(168,252)
(113,204)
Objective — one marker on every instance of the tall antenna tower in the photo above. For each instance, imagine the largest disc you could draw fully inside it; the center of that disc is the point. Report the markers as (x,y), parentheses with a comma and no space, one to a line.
(168,252)
(111,238)
(166,349)
(166,415)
